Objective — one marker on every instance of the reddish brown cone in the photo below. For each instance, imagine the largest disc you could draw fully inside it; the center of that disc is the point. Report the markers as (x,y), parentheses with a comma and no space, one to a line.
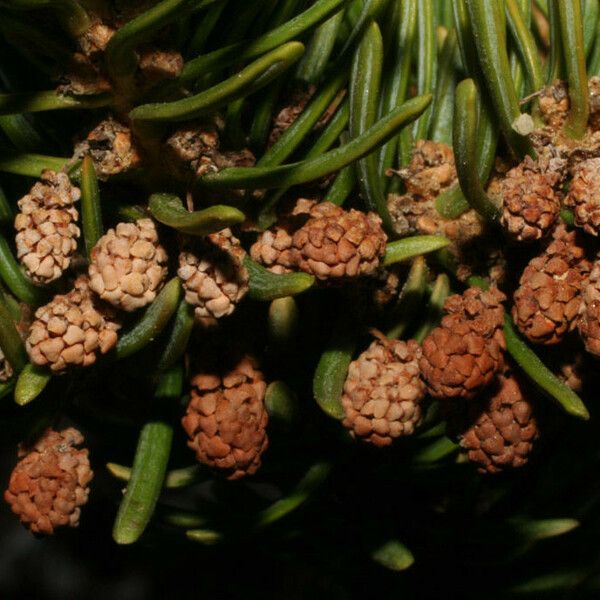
(336,244)
(589,312)
(547,301)
(502,427)
(462,355)
(584,195)
(226,419)
(530,206)
(50,482)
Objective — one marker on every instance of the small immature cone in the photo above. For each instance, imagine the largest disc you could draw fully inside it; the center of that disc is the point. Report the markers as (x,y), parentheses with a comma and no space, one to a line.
(159,65)
(6,371)
(94,40)
(83,78)
(463,354)
(71,330)
(112,148)
(194,150)
(295,105)
(584,195)
(530,206)
(46,227)
(274,248)
(383,392)
(570,364)
(226,419)
(431,170)
(547,302)
(589,312)
(128,266)
(337,244)
(51,482)
(502,427)
(192,145)
(213,275)
(554,104)
(594,89)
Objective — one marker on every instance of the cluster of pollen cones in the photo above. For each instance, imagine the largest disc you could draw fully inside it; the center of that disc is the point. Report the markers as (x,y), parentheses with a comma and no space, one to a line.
(459,362)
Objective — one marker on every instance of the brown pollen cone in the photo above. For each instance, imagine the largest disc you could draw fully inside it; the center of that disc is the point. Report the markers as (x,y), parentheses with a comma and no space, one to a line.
(589,312)
(128,265)
(546,303)
(501,427)
(226,418)
(51,482)
(463,354)
(530,206)
(46,225)
(71,330)
(584,195)
(112,148)
(336,244)
(383,392)
(213,275)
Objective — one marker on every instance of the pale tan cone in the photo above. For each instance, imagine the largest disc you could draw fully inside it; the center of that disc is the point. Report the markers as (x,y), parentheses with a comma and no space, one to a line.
(51,482)
(213,275)
(71,330)
(128,265)
(47,232)
(383,392)
(226,418)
